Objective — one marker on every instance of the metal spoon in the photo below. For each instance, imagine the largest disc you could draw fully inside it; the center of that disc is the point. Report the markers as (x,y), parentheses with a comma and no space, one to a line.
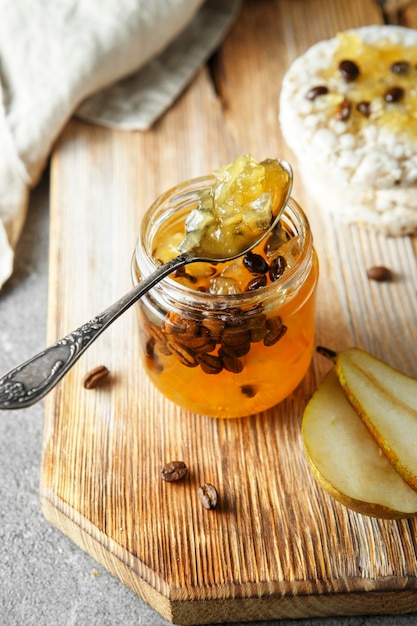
(32,380)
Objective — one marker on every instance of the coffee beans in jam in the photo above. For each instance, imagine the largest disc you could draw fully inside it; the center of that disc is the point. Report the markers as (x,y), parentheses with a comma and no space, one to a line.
(220,344)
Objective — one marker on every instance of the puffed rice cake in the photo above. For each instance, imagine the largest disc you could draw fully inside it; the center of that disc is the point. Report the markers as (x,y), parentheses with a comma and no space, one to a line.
(353,126)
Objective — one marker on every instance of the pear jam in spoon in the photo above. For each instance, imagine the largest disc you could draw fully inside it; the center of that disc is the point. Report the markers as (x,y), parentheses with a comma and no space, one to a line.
(228,339)
(240,206)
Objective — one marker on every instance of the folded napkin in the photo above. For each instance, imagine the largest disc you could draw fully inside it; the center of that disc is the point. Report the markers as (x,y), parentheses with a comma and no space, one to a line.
(60,57)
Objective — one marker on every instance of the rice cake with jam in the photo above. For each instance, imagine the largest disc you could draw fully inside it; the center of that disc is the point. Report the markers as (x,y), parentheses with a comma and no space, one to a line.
(348,111)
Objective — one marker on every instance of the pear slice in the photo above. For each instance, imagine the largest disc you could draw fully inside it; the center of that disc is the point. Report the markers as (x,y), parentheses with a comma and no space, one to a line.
(386,400)
(345,459)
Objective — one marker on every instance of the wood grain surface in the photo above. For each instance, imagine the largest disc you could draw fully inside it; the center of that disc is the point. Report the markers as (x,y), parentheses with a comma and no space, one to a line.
(277,545)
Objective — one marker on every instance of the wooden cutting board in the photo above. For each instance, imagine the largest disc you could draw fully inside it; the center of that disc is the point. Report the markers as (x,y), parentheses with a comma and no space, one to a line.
(277,546)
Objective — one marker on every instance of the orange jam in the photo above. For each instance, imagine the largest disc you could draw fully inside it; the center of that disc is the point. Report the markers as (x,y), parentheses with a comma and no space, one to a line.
(385,89)
(227,339)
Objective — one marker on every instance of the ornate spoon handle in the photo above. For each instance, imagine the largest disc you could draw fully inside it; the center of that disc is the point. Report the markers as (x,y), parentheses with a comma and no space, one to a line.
(29,382)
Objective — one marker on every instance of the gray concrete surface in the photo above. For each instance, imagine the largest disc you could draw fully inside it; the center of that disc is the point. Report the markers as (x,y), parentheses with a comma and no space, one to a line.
(45,580)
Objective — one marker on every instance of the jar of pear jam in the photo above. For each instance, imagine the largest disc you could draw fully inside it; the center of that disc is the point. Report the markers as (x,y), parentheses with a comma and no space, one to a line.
(228,339)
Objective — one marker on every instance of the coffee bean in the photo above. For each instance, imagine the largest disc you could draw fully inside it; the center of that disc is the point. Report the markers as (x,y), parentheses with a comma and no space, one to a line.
(198,344)
(215,328)
(156,332)
(235,351)
(394,94)
(150,347)
(256,283)
(230,363)
(176,324)
(235,337)
(173,471)
(258,328)
(315,92)
(208,496)
(210,363)
(255,263)
(277,267)
(276,330)
(185,356)
(349,70)
(400,67)
(96,377)
(379,273)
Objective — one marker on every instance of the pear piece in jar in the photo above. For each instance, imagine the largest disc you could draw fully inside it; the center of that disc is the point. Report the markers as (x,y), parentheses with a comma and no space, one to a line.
(223,286)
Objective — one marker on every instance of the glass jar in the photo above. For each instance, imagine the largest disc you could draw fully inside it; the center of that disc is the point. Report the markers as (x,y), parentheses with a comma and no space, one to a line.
(225,355)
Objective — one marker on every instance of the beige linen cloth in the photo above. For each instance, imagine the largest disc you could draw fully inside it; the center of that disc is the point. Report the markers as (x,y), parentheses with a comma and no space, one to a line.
(60,57)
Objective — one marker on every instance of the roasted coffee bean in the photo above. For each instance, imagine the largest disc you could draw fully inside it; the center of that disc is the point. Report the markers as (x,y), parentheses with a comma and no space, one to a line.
(230,363)
(248,390)
(315,92)
(215,328)
(343,110)
(257,282)
(239,350)
(150,347)
(400,67)
(173,471)
(185,356)
(349,70)
(258,328)
(96,377)
(255,263)
(176,324)
(364,107)
(394,94)
(276,330)
(208,496)
(277,267)
(210,363)
(198,345)
(233,336)
(156,332)
(379,273)
(157,340)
